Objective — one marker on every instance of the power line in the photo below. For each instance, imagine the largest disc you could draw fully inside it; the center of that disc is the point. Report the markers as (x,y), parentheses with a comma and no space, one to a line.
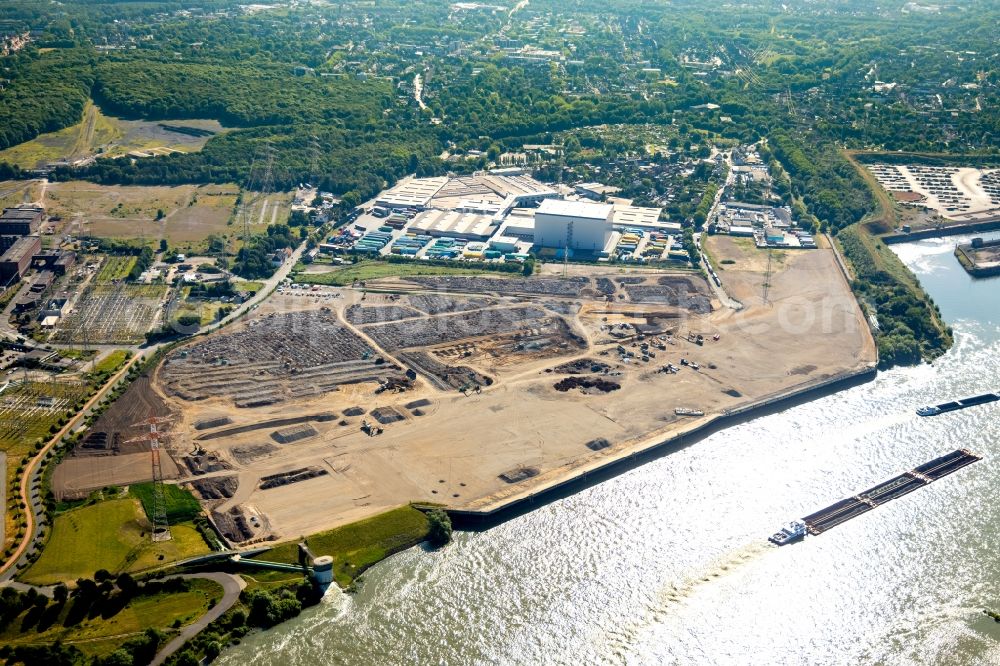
(767,276)
(158,511)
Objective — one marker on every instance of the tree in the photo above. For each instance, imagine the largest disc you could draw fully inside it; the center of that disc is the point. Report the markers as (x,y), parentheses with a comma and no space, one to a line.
(143,647)
(117,658)
(213,650)
(187,658)
(127,584)
(439,533)
(85,588)
(163,245)
(238,618)
(60,593)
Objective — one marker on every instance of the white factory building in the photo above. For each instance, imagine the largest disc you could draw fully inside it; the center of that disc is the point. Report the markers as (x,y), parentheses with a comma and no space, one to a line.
(454,224)
(483,193)
(576,225)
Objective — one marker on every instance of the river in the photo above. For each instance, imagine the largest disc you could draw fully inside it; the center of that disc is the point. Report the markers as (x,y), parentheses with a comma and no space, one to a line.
(668,564)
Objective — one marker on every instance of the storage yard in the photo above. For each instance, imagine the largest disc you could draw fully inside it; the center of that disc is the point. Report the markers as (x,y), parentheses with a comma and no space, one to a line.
(325,407)
(957,194)
(277,358)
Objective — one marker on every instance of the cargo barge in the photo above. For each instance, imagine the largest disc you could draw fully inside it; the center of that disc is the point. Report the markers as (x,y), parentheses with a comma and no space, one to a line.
(907,482)
(955,405)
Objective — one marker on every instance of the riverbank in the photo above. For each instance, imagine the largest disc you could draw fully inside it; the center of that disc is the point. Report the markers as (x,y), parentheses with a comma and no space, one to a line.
(904,318)
(496,509)
(646,566)
(894,238)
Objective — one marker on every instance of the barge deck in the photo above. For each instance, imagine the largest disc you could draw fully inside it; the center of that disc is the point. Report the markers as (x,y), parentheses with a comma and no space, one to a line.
(907,482)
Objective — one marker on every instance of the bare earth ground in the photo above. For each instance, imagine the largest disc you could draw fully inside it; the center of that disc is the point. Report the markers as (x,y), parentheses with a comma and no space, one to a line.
(452,448)
(986,257)
(77,477)
(191,212)
(107,136)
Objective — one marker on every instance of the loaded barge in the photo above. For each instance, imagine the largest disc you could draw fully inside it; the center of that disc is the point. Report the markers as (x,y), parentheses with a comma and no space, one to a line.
(955,405)
(907,482)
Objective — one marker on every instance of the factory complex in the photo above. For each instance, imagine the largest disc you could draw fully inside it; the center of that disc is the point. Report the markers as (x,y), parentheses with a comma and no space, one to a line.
(503,216)
(769,226)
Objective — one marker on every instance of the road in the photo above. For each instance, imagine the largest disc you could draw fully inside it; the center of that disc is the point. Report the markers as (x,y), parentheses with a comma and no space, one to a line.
(418,91)
(32,475)
(32,472)
(269,286)
(720,292)
(231,584)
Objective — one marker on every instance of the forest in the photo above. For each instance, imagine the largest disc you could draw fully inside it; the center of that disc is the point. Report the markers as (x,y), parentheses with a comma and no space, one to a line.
(329,93)
(46,92)
(237,95)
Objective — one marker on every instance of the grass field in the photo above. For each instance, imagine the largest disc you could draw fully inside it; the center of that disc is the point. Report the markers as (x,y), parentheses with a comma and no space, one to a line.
(101,635)
(110,363)
(190,212)
(115,267)
(112,535)
(17,192)
(248,285)
(181,505)
(108,136)
(27,414)
(78,354)
(126,204)
(371,270)
(357,546)
(7,296)
(210,212)
(264,210)
(71,143)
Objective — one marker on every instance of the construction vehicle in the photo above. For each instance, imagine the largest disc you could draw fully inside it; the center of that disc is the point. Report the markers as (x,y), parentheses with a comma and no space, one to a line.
(465,388)
(369,429)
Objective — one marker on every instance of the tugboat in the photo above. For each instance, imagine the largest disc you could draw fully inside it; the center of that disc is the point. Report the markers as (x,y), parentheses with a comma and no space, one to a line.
(793,531)
(955,405)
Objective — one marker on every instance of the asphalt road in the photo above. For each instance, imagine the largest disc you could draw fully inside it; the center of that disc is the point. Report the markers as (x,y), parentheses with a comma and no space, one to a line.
(231,584)
(32,475)
(30,482)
